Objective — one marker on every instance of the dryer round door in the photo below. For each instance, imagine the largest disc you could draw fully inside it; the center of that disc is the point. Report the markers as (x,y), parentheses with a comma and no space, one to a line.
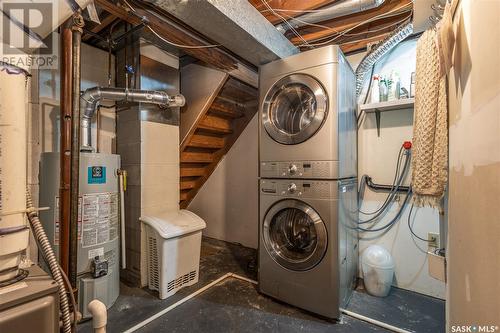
(294,235)
(294,109)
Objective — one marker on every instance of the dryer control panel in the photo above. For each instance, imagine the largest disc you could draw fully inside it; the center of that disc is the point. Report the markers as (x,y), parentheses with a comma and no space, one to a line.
(312,189)
(300,169)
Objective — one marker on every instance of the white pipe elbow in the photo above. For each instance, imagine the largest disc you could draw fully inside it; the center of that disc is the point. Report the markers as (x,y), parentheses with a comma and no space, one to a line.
(99,315)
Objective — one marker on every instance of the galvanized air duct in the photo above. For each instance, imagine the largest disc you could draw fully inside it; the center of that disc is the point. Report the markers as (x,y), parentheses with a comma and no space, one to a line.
(92,97)
(337,9)
(379,51)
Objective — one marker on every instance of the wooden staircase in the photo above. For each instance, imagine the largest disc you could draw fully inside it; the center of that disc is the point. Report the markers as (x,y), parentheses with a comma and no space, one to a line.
(213,133)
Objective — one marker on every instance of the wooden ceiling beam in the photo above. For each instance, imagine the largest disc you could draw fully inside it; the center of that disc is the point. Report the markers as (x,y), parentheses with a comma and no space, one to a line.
(377,29)
(288,5)
(173,32)
(312,33)
(99,27)
(358,45)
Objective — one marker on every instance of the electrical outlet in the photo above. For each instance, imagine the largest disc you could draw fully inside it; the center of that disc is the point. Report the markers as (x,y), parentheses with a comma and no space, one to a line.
(433,239)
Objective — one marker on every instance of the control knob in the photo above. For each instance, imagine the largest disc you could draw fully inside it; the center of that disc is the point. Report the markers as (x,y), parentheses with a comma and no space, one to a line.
(292,188)
(292,169)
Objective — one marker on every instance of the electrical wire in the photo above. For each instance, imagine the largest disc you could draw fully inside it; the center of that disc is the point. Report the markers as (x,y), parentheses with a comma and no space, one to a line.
(181,45)
(411,228)
(292,29)
(376,17)
(305,23)
(166,40)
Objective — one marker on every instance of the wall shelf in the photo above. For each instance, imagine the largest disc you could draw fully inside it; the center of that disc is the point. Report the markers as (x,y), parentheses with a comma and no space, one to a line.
(377,108)
(398,104)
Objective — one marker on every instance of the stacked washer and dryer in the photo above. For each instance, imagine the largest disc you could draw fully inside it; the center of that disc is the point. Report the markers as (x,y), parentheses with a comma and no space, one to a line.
(308,211)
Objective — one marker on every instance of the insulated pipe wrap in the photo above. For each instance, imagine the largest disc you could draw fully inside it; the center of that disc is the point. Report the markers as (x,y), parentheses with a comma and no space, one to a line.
(337,9)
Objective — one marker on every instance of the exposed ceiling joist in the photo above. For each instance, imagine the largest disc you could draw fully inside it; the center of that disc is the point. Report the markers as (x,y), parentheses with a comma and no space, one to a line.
(175,33)
(357,45)
(294,6)
(356,31)
(371,32)
(312,33)
(99,27)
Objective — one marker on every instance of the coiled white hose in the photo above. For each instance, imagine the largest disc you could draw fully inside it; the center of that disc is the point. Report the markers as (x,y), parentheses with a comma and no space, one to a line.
(46,248)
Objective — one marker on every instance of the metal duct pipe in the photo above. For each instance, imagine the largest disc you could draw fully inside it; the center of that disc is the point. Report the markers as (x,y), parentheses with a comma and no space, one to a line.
(93,96)
(379,51)
(329,12)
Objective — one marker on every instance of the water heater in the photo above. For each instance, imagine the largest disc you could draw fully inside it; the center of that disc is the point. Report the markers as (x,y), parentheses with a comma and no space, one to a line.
(98,253)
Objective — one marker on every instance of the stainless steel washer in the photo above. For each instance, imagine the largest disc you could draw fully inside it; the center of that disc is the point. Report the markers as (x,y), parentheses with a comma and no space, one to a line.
(308,114)
(308,242)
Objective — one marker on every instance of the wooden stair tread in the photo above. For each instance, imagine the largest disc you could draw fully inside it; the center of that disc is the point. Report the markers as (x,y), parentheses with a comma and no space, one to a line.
(205,141)
(196,157)
(226,110)
(192,172)
(184,195)
(216,125)
(239,91)
(188,184)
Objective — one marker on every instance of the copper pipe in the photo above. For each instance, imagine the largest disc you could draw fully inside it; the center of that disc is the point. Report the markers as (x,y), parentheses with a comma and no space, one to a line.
(65,160)
(76,29)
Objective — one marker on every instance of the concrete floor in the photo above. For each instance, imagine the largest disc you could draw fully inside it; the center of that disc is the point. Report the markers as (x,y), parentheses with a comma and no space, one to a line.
(236,306)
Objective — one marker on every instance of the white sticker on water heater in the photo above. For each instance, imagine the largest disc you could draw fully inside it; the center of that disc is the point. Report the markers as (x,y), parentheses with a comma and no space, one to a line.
(100,218)
(96,252)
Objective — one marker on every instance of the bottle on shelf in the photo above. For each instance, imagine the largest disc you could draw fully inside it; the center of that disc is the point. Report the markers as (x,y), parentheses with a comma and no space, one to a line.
(412,85)
(383,89)
(375,93)
(395,87)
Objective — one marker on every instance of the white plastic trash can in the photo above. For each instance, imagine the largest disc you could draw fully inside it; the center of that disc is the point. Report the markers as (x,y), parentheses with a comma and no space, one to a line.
(173,242)
(378,270)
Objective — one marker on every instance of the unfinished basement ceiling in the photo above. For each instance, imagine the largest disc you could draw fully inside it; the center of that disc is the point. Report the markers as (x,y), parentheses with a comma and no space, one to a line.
(353,32)
(235,24)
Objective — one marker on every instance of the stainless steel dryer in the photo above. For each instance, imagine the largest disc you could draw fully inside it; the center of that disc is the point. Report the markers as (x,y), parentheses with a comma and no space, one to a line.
(308,244)
(308,116)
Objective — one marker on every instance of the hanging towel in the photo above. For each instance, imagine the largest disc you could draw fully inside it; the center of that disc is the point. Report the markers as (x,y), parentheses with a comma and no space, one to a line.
(430,125)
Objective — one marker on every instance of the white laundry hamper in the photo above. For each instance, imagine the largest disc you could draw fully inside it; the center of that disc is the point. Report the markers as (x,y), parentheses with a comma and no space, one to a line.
(173,250)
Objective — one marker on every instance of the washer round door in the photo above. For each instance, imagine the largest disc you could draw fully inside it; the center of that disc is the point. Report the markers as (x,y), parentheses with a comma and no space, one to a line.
(294,235)
(294,109)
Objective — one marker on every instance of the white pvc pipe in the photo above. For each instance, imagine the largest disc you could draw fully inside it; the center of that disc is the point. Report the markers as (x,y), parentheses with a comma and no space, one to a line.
(122,219)
(187,298)
(374,321)
(99,315)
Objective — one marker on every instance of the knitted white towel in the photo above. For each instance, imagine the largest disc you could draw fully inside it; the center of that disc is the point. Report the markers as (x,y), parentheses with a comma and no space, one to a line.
(430,125)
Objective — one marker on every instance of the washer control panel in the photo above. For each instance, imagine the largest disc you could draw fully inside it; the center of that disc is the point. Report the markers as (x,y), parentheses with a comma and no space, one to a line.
(299,188)
(299,169)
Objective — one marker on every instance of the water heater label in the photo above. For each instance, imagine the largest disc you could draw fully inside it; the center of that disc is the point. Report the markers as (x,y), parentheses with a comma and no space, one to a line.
(99,252)
(100,218)
(56,220)
(96,175)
